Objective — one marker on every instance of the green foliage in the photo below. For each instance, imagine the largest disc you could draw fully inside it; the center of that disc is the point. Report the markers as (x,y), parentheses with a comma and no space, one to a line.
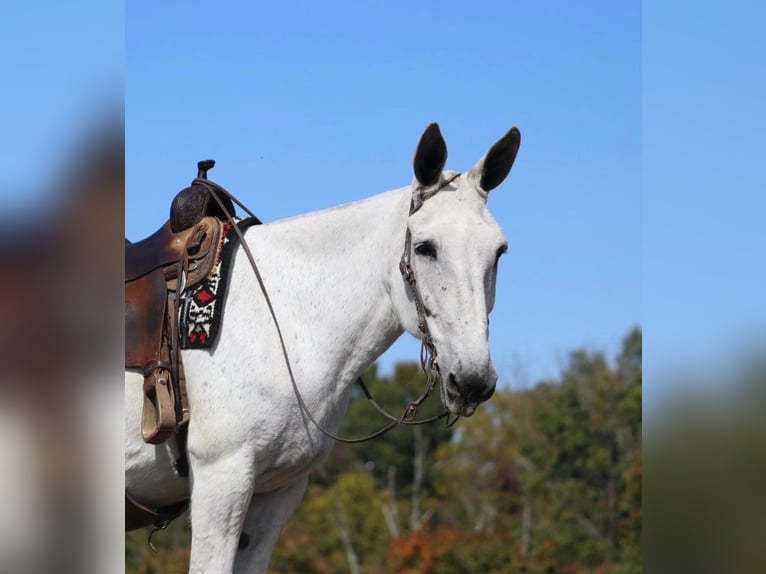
(538,481)
(583,456)
(312,540)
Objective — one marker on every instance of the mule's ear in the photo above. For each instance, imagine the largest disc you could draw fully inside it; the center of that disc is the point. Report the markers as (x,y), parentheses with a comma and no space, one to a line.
(430,156)
(494,167)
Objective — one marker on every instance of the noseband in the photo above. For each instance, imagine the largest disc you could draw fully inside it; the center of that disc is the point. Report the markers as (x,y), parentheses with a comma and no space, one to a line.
(428,352)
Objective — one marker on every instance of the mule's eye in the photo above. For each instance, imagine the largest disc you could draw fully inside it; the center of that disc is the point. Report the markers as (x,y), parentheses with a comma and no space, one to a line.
(426,249)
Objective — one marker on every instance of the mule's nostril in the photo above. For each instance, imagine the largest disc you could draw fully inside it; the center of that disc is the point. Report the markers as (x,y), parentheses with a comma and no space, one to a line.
(473,390)
(451,387)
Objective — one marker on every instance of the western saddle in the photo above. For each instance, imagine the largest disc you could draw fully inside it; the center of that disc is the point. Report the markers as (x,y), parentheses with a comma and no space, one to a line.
(181,252)
(158,269)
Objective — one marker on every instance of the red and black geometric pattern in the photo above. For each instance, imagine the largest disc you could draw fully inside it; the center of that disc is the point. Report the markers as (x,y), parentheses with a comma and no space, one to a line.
(202,306)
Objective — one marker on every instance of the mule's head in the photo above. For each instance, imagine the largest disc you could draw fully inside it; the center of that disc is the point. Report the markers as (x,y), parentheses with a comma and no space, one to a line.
(455,248)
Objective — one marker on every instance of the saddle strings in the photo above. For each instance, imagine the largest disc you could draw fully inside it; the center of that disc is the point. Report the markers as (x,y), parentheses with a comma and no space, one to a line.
(427,353)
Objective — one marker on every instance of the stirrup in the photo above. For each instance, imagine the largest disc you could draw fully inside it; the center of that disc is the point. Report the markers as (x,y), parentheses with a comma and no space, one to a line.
(159,414)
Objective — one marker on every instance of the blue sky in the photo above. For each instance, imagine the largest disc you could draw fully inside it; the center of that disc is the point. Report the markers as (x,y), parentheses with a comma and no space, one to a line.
(308,105)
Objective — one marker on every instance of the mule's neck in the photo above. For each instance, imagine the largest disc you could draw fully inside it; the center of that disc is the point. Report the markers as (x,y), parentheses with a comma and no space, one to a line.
(342,264)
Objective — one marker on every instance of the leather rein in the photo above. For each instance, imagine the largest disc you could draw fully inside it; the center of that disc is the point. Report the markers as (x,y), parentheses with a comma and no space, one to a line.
(428,352)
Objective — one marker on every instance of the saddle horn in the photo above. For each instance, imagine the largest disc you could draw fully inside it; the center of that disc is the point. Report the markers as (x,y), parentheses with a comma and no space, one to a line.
(193,203)
(203,166)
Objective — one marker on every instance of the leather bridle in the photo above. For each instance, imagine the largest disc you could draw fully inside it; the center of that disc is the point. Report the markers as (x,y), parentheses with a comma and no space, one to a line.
(427,359)
(428,351)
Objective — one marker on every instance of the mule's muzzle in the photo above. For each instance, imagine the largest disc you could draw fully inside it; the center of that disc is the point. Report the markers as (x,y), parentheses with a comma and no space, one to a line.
(463,394)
